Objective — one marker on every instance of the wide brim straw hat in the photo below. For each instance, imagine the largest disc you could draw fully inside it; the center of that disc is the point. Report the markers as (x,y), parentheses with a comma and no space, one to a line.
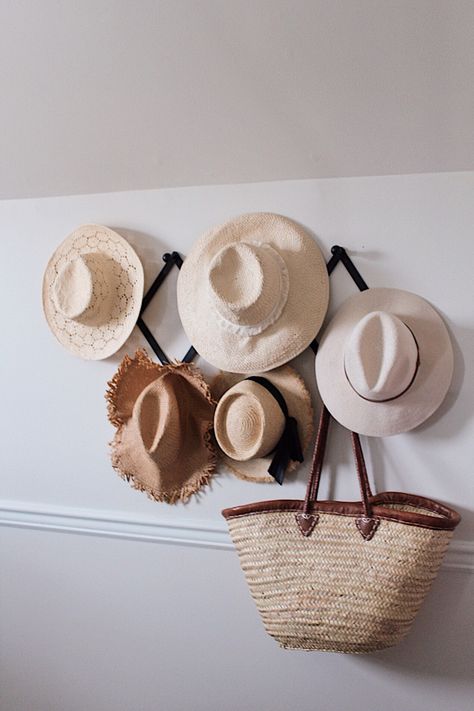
(385,362)
(92,292)
(253,293)
(164,418)
(259,425)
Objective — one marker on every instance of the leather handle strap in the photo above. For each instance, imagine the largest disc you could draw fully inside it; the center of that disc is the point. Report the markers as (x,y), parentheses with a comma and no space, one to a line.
(318,458)
(317,466)
(364,484)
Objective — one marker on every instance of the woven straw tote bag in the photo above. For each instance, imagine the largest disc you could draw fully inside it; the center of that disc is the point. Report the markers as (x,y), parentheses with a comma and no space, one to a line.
(340,576)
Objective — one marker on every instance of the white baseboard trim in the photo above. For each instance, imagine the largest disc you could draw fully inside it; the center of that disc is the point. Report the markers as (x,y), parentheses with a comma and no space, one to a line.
(460,555)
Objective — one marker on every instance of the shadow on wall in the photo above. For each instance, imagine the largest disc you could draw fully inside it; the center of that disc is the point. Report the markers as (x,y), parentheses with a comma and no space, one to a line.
(463,412)
(149,249)
(441,642)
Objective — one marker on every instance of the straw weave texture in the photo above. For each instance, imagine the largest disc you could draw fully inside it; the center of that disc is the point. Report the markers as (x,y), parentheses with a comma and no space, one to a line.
(94,342)
(335,591)
(270,342)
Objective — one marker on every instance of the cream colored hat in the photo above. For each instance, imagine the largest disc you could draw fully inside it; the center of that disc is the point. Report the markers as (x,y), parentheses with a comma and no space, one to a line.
(385,362)
(253,293)
(92,292)
(256,420)
(164,417)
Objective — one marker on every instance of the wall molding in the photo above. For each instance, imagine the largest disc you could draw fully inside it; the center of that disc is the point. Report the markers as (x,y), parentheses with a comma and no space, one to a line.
(88,522)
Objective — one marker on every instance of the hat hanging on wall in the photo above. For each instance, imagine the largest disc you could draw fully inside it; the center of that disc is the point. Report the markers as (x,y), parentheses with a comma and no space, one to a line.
(253,293)
(164,416)
(385,362)
(92,292)
(262,423)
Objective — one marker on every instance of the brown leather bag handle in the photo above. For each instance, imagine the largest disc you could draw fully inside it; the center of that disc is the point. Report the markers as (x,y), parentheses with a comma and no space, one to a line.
(366,524)
(318,458)
(364,485)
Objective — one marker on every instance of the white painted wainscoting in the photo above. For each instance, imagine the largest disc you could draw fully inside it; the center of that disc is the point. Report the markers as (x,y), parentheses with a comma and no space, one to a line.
(93,617)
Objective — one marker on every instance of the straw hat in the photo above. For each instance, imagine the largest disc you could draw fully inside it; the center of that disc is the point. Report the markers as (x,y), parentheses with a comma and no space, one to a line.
(253,293)
(385,362)
(164,416)
(92,292)
(249,421)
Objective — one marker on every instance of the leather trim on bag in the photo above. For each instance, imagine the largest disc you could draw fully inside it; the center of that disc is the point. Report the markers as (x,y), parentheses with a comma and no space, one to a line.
(306,522)
(367,527)
(446,518)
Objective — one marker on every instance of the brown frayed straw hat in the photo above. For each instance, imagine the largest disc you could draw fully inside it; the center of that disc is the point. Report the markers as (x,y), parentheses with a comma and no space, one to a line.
(385,362)
(253,293)
(92,292)
(262,424)
(164,417)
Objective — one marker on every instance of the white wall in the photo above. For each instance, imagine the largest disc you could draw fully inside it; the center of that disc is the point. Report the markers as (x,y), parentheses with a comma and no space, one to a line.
(108,620)
(102,95)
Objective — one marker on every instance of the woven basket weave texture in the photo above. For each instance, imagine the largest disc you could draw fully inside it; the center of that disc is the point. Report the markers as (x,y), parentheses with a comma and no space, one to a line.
(333,590)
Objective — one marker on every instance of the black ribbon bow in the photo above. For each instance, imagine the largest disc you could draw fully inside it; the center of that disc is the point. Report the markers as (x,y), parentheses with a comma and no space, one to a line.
(289,445)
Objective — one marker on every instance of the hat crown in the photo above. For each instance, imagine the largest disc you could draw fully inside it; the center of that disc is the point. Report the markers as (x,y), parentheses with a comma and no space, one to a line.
(248,421)
(248,286)
(156,414)
(380,357)
(83,288)
(73,288)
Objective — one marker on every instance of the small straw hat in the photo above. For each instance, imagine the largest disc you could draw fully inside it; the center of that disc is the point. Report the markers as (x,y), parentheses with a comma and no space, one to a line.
(92,292)
(250,425)
(385,362)
(164,417)
(253,293)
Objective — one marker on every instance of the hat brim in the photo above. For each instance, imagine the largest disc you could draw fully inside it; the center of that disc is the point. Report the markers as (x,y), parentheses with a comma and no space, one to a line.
(97,342)
(302,314)
(432,380)
(130,459)
(298,400)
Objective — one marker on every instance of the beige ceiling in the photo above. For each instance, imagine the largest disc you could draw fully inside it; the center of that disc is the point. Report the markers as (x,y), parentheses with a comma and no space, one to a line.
(103,95)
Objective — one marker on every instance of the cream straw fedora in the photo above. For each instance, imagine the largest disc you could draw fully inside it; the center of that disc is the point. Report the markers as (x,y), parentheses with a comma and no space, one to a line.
(253,293)
(263,423)
(164,417)
(92,292)
(385,362)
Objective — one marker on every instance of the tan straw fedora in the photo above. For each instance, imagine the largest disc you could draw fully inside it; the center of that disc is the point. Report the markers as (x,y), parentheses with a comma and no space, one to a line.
(164,417)
(263,423)
(253,293)
(92,292)
(385,362)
